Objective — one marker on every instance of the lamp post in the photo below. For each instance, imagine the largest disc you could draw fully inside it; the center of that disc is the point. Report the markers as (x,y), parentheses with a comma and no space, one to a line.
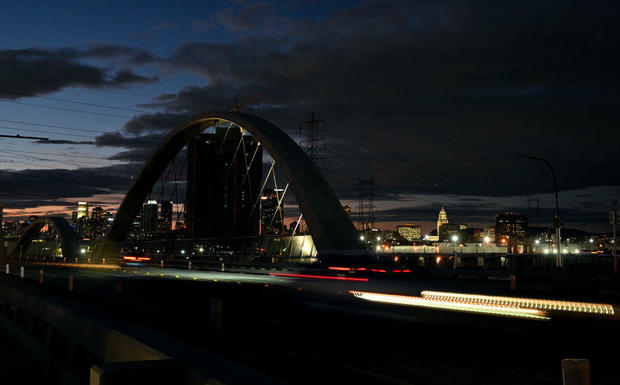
(454,240)
(557,221)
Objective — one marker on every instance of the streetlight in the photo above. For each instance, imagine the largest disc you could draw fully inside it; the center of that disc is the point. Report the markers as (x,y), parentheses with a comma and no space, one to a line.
(556,221)
(454,240)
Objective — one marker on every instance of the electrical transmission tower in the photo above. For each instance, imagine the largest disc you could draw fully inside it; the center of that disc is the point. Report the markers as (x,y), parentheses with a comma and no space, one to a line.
(313,129)
(366,188)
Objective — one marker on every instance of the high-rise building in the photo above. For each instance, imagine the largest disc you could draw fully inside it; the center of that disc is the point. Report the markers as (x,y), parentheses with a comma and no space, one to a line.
(224,172)
(271,213)
(136,227)
(74,217)
(510,225)
(410,232)
(448,230)
(82,209)
(165,216)
(149,217)
(441,220)
(1,216)
(97,213)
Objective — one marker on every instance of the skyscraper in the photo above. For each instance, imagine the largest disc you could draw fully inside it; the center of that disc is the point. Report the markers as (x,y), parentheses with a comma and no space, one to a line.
(271,213)
(149,217)
(224,173)
(82,209)
(442,219)
(97,213)
(165,217)
(510,225)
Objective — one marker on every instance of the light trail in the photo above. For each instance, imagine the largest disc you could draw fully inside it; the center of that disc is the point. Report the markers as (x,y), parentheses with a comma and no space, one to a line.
(529,303)
(497,310)
(68,264)
(319,277)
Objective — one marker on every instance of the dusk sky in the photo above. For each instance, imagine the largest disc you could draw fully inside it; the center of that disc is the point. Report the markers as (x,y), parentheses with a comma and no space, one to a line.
(433,99)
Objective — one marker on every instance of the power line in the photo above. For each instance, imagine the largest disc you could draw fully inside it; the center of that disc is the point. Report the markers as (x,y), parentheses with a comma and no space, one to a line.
(19,153)
(45,132)
(72,101)
(67,109)
(50,126)
(63,154)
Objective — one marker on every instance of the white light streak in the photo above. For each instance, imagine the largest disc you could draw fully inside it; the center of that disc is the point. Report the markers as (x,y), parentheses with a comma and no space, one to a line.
(498,310)
(528,303)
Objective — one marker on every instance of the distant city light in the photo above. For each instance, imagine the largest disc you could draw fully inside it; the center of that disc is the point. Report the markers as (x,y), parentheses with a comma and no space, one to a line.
(82,251)
(201,249)
(362,238)
(591,240)
(487,239)
(182,251)
(455,238)
(378,238)
(537,241)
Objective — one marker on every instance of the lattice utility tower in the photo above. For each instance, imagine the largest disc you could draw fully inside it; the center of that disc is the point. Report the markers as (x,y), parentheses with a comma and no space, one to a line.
(313,129)
(366,188)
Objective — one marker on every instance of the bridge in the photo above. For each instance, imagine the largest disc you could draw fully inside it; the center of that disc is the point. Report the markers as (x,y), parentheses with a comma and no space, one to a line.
(330,227)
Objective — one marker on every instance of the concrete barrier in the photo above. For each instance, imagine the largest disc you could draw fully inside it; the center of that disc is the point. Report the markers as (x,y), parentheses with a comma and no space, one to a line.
(78,346)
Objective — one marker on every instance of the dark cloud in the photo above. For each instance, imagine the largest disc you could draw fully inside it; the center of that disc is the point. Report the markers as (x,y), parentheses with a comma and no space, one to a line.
(130,55)
(58,184)
(433,96)
(137,148)
(31,72)
(156,122)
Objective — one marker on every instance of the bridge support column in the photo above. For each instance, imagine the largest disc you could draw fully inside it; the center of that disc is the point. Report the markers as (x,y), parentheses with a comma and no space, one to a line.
(576,371)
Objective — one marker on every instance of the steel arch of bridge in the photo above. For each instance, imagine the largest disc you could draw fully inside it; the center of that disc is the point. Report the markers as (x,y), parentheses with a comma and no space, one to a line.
(330,226)
(69,243)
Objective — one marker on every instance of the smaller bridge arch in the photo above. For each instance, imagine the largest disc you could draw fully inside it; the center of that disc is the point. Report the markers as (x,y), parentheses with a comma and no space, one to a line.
(69,243)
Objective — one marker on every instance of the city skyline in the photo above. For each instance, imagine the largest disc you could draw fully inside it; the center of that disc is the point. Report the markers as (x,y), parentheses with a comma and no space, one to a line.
(451,124)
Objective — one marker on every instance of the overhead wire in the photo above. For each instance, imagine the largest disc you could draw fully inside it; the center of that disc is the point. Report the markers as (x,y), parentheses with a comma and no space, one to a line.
(45,132)
(50,126)
(9,92)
